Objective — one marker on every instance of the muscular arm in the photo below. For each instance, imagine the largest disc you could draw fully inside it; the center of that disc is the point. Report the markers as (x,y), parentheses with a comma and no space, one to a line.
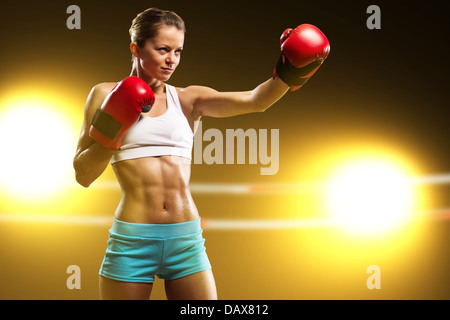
(91,159)
(209,102)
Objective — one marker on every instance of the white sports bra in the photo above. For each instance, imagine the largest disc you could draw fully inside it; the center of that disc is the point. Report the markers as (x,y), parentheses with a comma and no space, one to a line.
(167,134)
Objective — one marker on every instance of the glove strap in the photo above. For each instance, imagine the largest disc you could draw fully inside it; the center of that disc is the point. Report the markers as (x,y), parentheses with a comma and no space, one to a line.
(292,75)
(105,124)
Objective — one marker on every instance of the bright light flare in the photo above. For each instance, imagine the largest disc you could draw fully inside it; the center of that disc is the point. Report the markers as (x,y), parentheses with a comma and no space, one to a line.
(38,145)
(370,196)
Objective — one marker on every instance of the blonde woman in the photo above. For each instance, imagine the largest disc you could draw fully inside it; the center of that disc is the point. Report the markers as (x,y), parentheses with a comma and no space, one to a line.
(145,128)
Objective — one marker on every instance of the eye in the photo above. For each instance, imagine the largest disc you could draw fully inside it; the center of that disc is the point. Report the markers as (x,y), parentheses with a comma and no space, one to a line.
(179,51)
(163,49)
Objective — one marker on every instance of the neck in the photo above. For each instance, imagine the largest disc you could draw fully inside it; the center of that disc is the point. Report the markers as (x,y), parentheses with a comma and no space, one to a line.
(136,71)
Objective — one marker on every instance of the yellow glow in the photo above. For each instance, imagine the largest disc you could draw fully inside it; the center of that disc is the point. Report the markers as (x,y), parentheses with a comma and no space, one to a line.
(37,137)
(371,195)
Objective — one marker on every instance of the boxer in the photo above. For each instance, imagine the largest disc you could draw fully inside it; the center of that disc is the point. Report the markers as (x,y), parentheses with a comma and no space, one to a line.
(144,127)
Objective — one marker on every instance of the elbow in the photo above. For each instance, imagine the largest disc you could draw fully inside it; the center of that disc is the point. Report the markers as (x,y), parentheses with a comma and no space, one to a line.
(81,178)
(81,181)
(261,108)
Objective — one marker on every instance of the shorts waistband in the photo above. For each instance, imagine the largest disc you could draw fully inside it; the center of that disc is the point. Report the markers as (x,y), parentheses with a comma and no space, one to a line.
(155,230)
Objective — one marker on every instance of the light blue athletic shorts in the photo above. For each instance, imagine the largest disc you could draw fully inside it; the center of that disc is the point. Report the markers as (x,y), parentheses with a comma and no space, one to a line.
(137,252)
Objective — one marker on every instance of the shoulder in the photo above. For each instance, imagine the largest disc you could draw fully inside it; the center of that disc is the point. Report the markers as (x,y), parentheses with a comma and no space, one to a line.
(96,97)
(193,94)
(102,89)
(98,94)
(189,96)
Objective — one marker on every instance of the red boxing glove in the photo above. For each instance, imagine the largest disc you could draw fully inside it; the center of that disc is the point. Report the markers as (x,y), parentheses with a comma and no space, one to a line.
(120,111)
(303,51)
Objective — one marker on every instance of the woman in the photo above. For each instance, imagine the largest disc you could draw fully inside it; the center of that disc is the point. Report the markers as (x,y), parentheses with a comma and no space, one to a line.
(156,229)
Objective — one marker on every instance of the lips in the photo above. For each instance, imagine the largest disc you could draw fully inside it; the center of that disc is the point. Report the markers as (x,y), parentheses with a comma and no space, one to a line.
(169,70)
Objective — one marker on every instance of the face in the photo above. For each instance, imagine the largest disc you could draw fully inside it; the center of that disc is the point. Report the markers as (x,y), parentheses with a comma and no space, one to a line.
(161,55)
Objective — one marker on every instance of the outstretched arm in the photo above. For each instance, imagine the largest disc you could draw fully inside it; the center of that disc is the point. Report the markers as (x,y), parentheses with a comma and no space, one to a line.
(303,51)
(209,102)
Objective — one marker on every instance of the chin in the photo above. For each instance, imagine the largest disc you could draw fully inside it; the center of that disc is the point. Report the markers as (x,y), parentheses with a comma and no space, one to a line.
(160,76)
(164,78)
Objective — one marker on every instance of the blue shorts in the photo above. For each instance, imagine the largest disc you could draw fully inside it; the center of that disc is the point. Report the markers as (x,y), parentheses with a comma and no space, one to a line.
(137,252)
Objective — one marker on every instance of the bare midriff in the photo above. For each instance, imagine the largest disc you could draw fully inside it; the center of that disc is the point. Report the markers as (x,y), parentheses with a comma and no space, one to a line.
(155,190)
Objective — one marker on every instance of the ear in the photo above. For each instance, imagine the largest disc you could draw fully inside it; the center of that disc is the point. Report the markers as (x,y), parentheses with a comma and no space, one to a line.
(134,48)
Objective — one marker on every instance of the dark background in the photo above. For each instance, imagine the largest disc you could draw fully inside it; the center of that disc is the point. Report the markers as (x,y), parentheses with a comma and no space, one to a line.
(381,89)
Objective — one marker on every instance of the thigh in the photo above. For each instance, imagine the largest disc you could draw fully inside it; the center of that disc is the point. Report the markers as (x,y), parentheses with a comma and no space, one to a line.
(119,290)
(197,286)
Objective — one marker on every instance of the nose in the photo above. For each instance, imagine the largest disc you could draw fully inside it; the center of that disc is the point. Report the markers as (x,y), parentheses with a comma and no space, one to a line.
(171,58)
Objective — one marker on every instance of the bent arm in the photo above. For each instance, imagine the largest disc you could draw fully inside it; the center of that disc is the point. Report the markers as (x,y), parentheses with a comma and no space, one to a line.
(209,102)
(91,159)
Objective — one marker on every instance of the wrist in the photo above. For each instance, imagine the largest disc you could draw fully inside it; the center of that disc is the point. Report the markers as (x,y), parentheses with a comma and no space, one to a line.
(288,73)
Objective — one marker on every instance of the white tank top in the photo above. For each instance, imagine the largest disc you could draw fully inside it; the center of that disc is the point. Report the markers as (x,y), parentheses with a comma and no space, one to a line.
(167,134)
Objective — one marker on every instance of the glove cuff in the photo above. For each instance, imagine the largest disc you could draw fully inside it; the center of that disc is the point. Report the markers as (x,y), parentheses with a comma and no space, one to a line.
(292,75)
(105,124)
